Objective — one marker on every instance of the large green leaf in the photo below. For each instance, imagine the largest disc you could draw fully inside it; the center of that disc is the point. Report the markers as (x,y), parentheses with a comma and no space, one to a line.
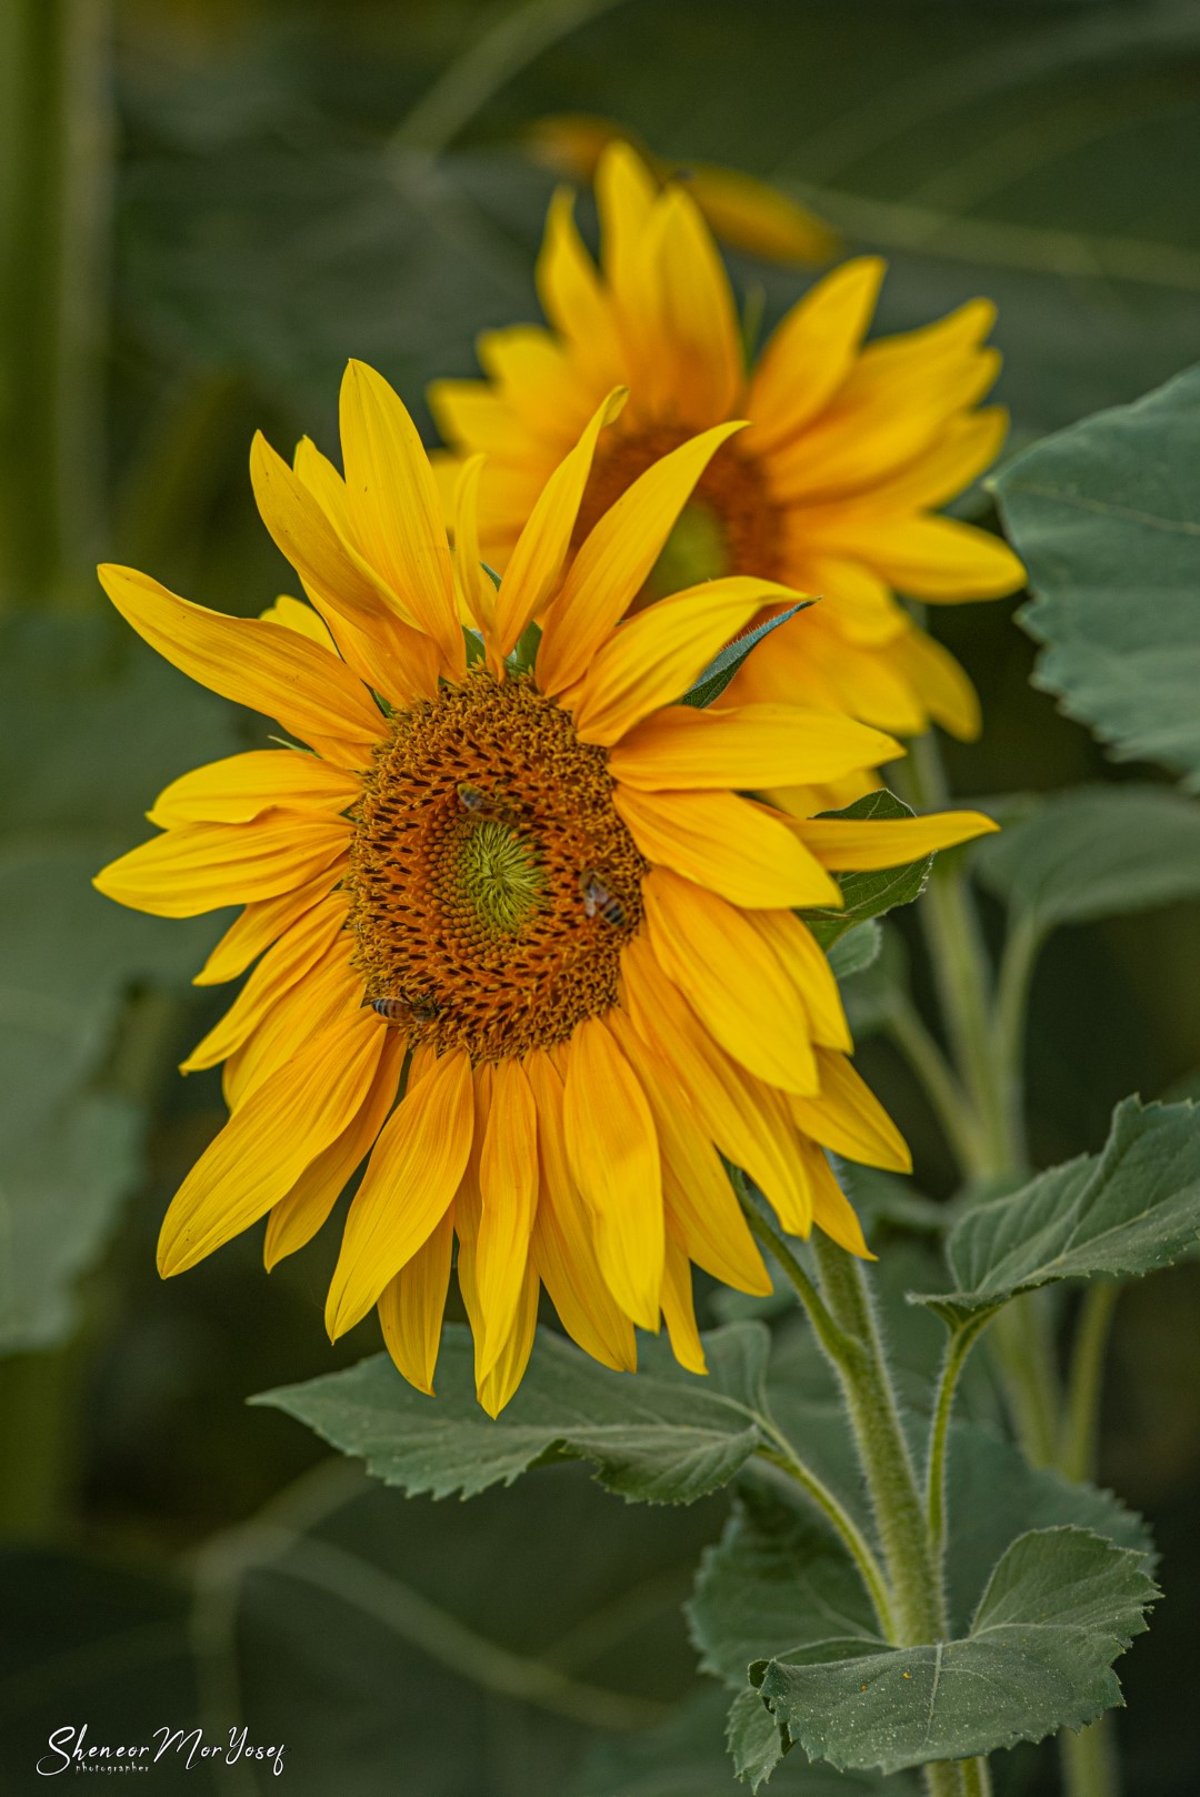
(685,1757)
(59,1193)
(1097,851)
(1059,1608)
(413,1645)
(94,725)
(1110,533)
(868,895)
(661,1435)
(1121,1213)
(778,1584)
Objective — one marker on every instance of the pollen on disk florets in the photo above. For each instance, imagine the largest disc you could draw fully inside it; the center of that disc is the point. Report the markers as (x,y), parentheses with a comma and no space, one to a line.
(492,883)
(732,524)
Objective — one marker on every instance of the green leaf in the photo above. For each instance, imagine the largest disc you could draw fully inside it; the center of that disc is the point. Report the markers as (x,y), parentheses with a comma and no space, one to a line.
(660,1435)
(720,672)
(1059,1608)
(778,1584)
(58,1197)
(857,950)
(1110,533)
(1094,852)
(870,999)
(94,725)
(1124,1212)
(685,1757)
(870,894)
(414,1645)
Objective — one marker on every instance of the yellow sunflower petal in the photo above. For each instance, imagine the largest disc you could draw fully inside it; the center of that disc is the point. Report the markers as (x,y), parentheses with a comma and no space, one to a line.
(561,1244)
(573,296)
(848,1118)
(508,1182)
(309,538)
(613,564)
(258,926)
(678,1310)
(267,1144)
(964,448)
(654,658)
(719,841)
(930,558)
(393,501)
(203,867)
(549,394)
(242,787)
(942,686)
(858,846)
(733,981)
(281,968)
(700,1202)
(812,351)
(272,670)
(745,747)
(412,1305)
(293,1222)
(698,311)
(809,972)
(613,1155)
(536,564)
(476,591)
(756,217)
(832,1211)
(294,614)
(407,1188)
(495,1388)
(332,988)
(748,1121)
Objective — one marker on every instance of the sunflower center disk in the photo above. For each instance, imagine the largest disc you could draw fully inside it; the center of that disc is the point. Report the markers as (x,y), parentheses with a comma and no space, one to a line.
(732,524)
(492,883)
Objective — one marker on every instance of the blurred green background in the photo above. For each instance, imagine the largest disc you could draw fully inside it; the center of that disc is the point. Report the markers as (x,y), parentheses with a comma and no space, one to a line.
(206,206)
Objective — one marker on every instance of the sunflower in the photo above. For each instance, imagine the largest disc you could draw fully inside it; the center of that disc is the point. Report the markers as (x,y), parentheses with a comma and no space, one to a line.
(517,941)
(830,490)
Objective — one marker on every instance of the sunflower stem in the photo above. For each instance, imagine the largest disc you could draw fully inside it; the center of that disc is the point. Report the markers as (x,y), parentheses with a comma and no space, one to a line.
(785,1459)
(54,211)
(883,1451)
(906,1028)
(957,1349)
(1081,1426)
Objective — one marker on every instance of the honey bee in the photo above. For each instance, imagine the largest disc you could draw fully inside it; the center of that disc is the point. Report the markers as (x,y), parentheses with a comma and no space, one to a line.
(404,1010)
(476,802)
(598,901)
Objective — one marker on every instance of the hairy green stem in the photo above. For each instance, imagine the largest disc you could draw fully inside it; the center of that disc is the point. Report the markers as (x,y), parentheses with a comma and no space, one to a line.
(855,1542)
(1081,1426)
(961,971)
(957,1349)
(882,1449)
(1008,1028)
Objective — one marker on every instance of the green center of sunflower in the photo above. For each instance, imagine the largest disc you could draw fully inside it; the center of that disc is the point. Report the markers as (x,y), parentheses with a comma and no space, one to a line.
(498,874)
(697,549)
(492,883)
